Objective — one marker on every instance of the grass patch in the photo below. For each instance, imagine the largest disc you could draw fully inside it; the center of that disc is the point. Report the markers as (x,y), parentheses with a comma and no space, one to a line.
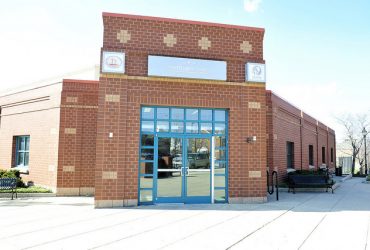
(32,189)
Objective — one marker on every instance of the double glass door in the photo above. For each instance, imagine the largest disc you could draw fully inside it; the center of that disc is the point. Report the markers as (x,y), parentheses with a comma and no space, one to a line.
(183,169)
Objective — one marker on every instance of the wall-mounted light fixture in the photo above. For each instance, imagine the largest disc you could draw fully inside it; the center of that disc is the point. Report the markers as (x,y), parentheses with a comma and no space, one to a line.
(251,139)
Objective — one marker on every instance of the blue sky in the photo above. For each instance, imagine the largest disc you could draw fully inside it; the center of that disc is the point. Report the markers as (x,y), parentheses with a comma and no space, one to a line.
(317,52)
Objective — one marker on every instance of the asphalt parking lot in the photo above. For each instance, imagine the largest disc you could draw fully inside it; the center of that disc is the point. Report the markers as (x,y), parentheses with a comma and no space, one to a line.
(315,220)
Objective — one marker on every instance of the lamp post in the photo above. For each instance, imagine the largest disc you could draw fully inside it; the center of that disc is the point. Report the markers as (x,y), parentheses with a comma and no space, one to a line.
(364,133)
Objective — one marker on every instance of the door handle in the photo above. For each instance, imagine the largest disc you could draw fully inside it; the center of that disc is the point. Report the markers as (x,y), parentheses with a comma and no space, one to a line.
(186,171)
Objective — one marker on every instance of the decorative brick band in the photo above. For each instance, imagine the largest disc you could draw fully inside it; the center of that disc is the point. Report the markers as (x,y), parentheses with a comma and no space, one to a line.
(82,191)
(246,200)
(79,106)
(183,80)
(109,175)
(70,131)
(68,168)
(254,105)
(255,174)
(87,191)
(68,191)
(115,203)
(112,98)
(72,99)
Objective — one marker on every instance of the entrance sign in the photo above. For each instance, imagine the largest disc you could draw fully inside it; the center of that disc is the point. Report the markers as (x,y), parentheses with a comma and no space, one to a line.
(186,68)
(255,72)
(113,62)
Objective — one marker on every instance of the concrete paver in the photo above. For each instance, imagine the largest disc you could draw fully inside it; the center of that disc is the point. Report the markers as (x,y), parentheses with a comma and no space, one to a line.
(297,221)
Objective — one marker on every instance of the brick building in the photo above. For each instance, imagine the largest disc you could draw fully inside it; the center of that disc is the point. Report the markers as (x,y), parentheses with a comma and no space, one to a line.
(180,114)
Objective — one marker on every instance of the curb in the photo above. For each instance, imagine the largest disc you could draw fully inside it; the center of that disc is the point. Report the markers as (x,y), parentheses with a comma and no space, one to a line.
(27,195)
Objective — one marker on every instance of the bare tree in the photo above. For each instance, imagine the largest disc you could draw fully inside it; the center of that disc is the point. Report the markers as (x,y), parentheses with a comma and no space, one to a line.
(364,123)
(353,136)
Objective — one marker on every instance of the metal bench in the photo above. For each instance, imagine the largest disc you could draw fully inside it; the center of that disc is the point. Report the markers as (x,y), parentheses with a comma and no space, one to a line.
(315,181)
(9,184)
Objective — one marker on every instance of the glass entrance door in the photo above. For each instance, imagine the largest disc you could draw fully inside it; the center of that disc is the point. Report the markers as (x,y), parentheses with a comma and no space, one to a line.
(170,169)
(183,170)
(198,170)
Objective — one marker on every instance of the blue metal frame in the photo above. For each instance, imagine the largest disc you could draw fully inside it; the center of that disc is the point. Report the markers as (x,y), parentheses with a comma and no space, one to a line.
(184,198)
(184,135)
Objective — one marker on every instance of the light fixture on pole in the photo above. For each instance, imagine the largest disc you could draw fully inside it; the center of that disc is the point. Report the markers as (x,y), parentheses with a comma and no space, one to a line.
(364,133)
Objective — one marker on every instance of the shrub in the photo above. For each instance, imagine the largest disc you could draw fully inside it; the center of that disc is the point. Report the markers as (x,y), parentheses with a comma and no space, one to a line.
(368,178)
(12,173)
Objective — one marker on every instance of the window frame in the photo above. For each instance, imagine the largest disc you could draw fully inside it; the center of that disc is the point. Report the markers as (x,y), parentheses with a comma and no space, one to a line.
(290,155)
(323,155)
(24,151)
(331,155)
(311,159)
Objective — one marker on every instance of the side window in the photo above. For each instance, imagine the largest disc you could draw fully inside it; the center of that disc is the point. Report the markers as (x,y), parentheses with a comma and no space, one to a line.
(323,154)
(331,155)
(290,154)
(22,151)
(310,155)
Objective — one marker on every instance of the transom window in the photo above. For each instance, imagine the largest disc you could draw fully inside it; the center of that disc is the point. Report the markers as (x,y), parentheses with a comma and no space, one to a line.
(183,120)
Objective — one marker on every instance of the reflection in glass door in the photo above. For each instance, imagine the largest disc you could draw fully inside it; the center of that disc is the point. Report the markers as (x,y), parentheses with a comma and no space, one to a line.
(169,173)
(198,167)
(183,170)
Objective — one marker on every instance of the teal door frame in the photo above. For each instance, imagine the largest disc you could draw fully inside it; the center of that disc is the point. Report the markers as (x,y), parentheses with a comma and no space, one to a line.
(184,198)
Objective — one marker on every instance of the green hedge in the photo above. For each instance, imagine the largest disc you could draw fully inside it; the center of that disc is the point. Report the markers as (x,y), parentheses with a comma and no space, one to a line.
(12,174)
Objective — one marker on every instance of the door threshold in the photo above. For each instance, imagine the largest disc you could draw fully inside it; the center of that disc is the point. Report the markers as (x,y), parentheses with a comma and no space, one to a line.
(169,204)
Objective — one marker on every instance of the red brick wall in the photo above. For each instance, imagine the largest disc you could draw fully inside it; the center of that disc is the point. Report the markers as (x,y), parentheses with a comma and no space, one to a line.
(77,137)
(35,112)
(122,118)
(287,123)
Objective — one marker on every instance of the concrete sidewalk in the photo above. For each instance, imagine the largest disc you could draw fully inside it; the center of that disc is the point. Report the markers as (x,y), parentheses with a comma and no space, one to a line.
(298,221)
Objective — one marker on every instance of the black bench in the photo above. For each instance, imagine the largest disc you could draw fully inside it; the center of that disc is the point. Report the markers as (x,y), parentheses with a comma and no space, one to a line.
(317,181)
(9,184)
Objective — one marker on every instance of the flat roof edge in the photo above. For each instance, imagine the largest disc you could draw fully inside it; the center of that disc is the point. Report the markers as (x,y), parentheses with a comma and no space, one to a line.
(166,19)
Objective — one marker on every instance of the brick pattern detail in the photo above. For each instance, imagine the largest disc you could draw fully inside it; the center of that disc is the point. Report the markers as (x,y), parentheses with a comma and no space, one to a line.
(79,150)
(71,99)
(225,42)
(287,123)
(123,36)
(254,105)
(170,40)
(246,47)
(204,43)
(68,168)
(112,98)
(109,175)
(255,174)
(70,131)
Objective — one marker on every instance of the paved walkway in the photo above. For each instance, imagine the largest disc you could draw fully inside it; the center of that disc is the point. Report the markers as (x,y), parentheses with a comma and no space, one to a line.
(301,221)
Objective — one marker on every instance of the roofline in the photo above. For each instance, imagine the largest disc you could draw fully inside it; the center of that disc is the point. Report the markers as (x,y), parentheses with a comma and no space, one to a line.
(80,81)
(278,96)
(174,20)
(25,88)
